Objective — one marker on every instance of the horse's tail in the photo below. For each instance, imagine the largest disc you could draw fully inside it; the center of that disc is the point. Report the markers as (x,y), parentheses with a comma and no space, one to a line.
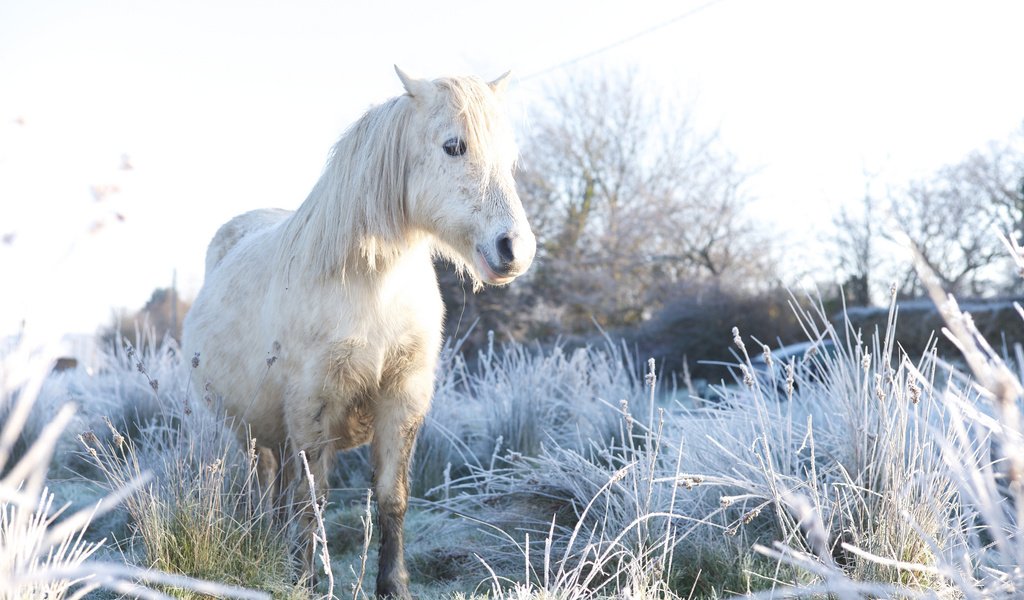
(230,233)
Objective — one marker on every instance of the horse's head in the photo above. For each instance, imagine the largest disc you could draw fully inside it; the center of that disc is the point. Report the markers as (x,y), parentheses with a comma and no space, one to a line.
(459,176)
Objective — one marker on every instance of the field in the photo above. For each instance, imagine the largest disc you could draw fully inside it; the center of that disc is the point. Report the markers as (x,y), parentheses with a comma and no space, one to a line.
(547,473)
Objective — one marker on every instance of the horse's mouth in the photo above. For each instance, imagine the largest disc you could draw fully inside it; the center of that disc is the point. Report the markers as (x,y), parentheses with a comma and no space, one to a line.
(487,273)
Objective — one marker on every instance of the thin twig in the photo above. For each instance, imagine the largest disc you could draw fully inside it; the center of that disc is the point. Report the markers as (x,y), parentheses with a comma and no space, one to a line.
(321,533)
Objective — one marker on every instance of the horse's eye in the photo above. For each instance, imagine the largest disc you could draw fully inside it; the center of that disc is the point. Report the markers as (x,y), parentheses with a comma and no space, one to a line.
(454,147)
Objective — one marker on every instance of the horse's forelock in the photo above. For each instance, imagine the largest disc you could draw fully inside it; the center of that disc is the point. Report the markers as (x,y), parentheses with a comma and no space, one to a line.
(484,121)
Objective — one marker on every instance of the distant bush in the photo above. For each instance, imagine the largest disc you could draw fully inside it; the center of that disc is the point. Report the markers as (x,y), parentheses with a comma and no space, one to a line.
(160,317)
(695,326)
(921,324)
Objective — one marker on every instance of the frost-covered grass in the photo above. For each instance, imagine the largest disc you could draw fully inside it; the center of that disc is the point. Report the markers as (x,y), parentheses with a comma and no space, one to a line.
(557,473)
(205,513)
(49,548)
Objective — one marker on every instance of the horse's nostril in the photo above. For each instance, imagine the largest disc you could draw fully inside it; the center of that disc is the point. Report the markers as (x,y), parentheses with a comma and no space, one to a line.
(505,251)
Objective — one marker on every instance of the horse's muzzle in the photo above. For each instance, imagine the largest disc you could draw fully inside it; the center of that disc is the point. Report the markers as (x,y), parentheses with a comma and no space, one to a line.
(509,257)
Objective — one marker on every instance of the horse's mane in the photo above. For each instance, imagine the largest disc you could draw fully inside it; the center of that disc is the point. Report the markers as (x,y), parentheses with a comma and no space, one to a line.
(356,214)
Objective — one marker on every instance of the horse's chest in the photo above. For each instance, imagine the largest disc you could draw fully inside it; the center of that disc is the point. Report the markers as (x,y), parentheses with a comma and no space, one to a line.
(362,379)
(358,365)
(354,365)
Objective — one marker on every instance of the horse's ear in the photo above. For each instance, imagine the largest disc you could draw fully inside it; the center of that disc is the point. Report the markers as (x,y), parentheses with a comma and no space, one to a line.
(417,88)
(499,84)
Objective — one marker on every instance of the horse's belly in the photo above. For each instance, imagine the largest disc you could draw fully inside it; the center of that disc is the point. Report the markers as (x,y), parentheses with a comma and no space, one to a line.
(262,419)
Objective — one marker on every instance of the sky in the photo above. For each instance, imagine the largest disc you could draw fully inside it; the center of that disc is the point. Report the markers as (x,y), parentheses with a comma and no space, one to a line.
(130,130)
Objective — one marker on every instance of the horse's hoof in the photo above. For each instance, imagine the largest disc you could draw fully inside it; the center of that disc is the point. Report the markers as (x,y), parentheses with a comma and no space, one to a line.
(394,593)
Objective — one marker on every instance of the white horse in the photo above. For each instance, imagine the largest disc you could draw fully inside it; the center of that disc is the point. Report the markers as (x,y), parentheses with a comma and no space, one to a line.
(320,329)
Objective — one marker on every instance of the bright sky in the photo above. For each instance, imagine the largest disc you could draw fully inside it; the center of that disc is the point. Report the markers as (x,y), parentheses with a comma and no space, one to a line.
(231,105)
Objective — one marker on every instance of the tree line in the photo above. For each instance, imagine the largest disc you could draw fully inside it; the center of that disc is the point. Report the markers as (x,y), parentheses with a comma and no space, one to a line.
(643,231)
(952,218)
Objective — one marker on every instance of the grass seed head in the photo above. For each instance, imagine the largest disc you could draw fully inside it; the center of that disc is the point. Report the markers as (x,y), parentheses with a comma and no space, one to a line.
(748,377)
(89,440)
(751,515)
(651,378)
(736,339)
(119,439)
(914,390)
(879,390)
(619,475)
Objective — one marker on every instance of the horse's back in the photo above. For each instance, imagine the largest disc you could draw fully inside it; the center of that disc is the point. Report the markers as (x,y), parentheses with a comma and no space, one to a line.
(230,233)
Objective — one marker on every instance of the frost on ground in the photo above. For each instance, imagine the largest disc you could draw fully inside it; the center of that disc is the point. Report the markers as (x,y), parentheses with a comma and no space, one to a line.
(558,473)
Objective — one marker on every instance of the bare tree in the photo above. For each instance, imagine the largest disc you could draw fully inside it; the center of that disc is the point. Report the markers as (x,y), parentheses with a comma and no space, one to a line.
(995,176)
(629,200)
(951,218)
(856,239)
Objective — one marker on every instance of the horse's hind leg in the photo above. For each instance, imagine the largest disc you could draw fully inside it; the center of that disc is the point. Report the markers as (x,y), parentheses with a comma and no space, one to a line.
(267,476)
(395,429)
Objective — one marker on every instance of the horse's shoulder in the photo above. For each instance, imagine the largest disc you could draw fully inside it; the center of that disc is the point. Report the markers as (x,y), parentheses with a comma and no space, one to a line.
(230,233)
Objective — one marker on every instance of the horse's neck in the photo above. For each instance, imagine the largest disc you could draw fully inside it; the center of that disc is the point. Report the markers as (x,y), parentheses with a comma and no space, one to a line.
(378,258)
(355,217)
(333,237)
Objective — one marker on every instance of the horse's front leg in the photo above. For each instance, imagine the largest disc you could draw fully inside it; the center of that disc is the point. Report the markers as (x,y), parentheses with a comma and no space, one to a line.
(308,436)
(397,422)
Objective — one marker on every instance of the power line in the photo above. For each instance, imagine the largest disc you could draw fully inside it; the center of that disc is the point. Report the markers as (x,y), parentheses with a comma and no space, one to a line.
(622,41)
